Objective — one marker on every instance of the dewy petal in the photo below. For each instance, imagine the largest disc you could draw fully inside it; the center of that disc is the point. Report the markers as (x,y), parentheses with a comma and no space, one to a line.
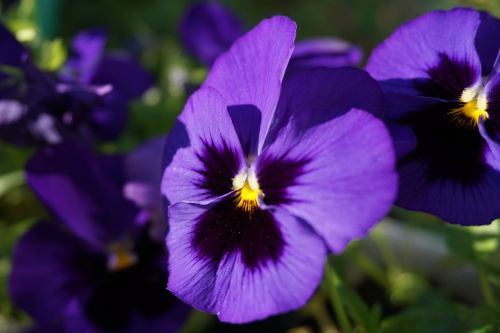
(208,29)
(86,51)
(324,52)
(202,152)
(430,47)
(227,286)
(72,183)
(50,268)
(251,72)
(488,41)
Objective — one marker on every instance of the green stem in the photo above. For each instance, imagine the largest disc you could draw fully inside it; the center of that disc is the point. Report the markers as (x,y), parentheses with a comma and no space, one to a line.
(489,298)
(333,282)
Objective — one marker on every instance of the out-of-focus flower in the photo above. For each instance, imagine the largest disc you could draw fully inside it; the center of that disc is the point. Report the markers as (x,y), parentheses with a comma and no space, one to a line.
(88,98)
(208,29)
(442,90)
(98,267)
(263,177)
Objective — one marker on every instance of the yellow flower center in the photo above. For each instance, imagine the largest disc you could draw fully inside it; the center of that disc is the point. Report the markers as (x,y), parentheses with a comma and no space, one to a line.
(121,257)
(473,109)
(247,191)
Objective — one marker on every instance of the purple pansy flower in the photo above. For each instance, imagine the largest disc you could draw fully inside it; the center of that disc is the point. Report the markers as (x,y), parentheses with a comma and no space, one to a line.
(99,267)
(264,177)
(88,99)
(209,29)
(442,90)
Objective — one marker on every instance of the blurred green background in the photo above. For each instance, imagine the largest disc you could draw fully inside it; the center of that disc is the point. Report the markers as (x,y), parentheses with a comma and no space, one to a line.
(413,274)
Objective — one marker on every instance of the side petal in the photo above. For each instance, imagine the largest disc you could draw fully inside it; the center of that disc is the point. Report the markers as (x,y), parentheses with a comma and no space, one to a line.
(49,270)
(488,42)
(429,47)
(229,288)
(208,29)
(251,72)
(346,182)
(202,152)
(71,182)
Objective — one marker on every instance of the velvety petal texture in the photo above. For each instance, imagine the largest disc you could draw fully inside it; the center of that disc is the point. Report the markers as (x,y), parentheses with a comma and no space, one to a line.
(441,107)
(263,177)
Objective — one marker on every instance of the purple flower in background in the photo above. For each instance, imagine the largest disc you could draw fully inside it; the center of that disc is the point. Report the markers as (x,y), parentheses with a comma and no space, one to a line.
(209,29)
(442,90)
(89,99)
(100,267)
(263,177)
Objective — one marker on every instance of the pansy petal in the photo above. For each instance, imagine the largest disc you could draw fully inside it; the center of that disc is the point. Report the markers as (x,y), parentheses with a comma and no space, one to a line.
(344,175)
(492,93)
(208,29)
(328,93)
(229,288)
(488,41)
(251,72)
(202,153)
(87,49)
(127,77)
(12,53)
(70,181)
(324,52)
(429,47)
(48,271)
(453,201)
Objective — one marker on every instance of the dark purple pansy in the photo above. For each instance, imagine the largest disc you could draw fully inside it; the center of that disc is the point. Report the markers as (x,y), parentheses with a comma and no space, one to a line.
(88,99)
(209,29)
(442,90)
(99,267)
(265,176)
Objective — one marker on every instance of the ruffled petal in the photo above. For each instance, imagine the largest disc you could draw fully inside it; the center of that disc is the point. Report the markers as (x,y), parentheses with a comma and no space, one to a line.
(229,287)
(251,72)
(202,153)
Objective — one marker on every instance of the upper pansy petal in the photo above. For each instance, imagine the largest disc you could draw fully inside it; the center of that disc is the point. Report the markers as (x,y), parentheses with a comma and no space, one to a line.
(70,181)
(347,179)
(208,30)
(488,41)
(202,152)
(430,47)
(251,72)
(86,51)
(228,287)
(313,96)
(49,269)
(324,52)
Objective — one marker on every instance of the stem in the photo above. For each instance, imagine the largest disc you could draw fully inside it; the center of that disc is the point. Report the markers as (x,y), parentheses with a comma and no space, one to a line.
(489,298)
(333,282)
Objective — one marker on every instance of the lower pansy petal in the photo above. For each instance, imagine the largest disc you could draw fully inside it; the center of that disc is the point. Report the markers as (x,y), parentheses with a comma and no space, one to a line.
(49,269)
(228,285)
(338,176)
(454,201)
